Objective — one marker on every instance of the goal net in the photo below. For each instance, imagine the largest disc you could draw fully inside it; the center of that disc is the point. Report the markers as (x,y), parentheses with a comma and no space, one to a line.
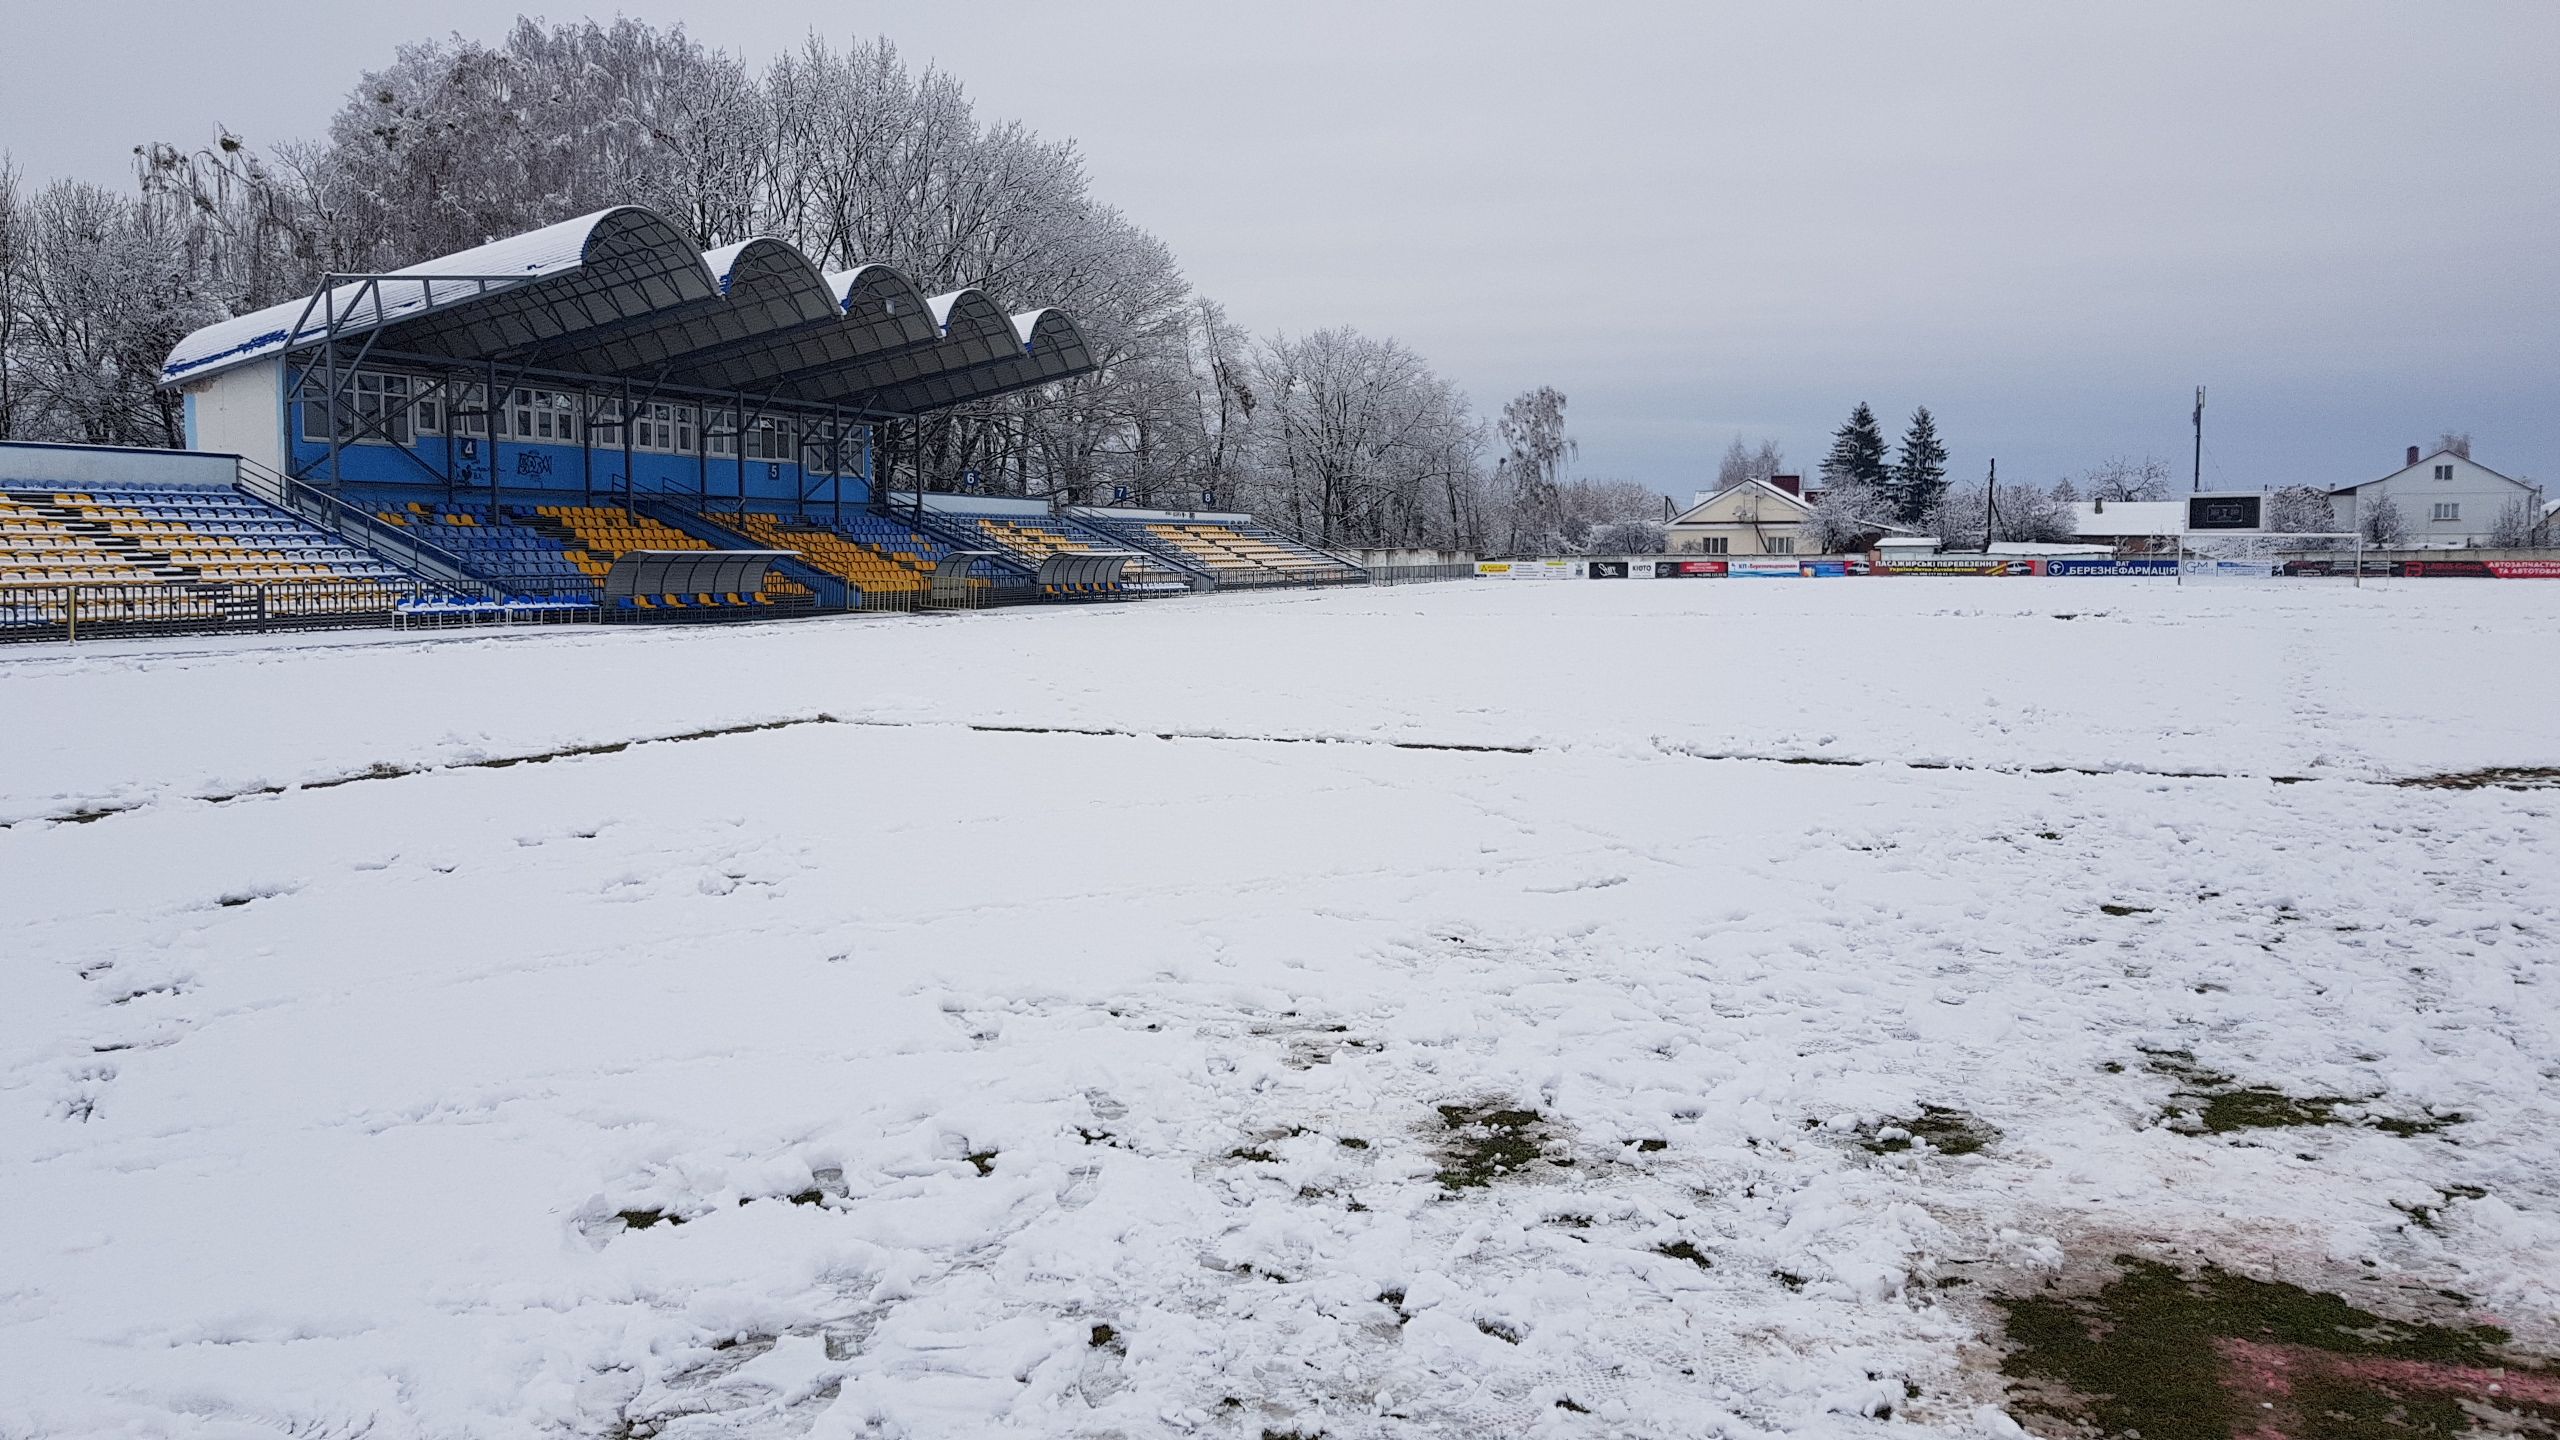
(2263,556)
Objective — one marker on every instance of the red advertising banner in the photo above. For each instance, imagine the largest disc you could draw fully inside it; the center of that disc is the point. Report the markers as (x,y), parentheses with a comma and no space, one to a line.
(2525,569)
(1678,569)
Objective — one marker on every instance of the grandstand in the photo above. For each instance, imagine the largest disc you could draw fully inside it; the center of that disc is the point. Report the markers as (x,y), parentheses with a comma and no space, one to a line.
(1231,549)
(1025,533)
(150,547)
(505,427)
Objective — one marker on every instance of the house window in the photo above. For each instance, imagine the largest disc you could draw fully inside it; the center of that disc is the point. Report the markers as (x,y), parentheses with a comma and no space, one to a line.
(1782,544)
(1714,544)
(2447,510)
(2444,472)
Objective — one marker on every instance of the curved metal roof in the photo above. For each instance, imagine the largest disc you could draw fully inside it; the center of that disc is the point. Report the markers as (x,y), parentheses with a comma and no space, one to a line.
(622,295)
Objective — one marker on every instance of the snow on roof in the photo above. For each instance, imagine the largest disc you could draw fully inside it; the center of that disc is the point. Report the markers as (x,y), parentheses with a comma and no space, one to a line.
(536,253)
(2353,486)
(2129,517)
(622,293)
(1700,504)
(2039,547)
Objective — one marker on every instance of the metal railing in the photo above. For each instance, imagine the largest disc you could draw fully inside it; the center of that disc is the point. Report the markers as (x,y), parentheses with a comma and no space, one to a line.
(359,527)
(1413,574)
(95,612)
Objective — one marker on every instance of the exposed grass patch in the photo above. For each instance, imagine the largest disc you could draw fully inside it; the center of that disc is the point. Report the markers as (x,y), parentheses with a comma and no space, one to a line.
(1254,1153)
(1483,1143)
(2209,1102)
(2121,910)
(985,1160)
(1683,1250)
(2158,1352)
(2497,777)
(643,1219)
(1943,1129)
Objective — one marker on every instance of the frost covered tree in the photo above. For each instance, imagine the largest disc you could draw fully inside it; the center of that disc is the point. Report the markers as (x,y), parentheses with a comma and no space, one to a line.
(1356,435)
(1919,479)
(1846,517)
(2457,441)
(2125,478)
(2383,524)
(2519,522)
(98,292)
(1743,462)
(14,258)
(2297,509)
(1534,450)
(1856,456)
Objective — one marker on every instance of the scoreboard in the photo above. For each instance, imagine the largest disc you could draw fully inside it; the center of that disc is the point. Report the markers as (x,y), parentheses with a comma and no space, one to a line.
(2226,512)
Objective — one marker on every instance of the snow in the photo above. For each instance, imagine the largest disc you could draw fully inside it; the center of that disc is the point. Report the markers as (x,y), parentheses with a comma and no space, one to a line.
(550,250)
(1054,959)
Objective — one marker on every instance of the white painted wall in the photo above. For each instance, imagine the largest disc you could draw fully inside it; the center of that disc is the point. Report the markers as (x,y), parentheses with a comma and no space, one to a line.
(240,411)
(2477,493)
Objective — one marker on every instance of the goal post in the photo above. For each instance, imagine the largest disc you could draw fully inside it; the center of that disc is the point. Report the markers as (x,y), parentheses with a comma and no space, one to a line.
(2265,555)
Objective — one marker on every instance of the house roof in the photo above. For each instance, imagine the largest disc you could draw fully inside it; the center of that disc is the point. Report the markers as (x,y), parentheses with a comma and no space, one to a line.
(1761,485)
(2128,517)
(622,294)
(2428,460)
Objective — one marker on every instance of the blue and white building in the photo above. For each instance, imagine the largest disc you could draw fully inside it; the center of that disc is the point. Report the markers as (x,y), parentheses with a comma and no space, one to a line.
(602,359)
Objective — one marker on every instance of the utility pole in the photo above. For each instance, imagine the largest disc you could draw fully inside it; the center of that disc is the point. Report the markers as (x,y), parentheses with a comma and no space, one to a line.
(1991,507)
(2198,483)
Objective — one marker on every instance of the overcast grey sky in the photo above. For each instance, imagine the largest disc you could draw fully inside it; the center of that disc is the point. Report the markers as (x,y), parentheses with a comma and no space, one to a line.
(2047,222)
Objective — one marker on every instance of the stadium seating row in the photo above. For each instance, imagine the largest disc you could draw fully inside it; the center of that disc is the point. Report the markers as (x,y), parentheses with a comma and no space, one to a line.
(879,558)
(169,537)
(1028,542)
(1241,551)
(557,549)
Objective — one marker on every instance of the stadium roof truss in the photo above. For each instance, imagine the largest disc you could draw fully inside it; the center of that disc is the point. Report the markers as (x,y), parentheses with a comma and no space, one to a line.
(622,297)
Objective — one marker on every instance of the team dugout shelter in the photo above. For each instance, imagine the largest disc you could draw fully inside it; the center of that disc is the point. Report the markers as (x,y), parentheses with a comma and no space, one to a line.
(605,358)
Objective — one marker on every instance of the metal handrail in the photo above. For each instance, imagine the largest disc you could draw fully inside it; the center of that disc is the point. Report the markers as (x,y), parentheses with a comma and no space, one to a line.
(359,527)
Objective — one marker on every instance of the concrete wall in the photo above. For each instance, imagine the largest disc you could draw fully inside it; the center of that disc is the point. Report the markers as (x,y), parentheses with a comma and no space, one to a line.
(239,412)
(81,466)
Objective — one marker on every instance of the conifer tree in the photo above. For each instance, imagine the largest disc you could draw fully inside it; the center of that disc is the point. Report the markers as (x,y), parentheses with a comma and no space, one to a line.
(1920,477)
(1856,457)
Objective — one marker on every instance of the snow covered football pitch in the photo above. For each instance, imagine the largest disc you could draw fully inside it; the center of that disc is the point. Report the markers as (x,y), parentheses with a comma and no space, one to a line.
(1468,1009)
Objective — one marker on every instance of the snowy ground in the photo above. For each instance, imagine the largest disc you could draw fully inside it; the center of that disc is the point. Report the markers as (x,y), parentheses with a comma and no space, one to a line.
(1100,1018)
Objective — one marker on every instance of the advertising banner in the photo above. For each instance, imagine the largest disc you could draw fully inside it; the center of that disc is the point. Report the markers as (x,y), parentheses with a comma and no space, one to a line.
(2129,565)
(1824,568)
(1762,569)
(2471,569)
(1608,570)
(1686,569)
(2525,569)
(1960,565)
